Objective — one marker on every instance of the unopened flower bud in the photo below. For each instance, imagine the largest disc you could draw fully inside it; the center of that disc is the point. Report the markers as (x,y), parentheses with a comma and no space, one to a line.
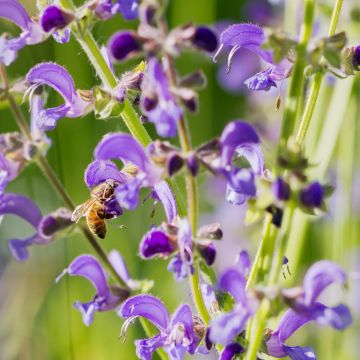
(55,18)
(192,163)
(281,189)
(211,232)
(207,251)
(123,45)
(205,39)
(356,57)
(174,163)
(313,195)
(55,222)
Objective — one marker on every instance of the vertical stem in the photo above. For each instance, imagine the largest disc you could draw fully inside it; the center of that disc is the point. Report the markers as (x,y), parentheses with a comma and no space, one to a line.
(191,189)
(315,87)
(292,103)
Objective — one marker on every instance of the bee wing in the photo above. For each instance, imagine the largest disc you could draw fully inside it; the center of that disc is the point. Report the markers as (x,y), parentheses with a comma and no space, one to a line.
(82,209)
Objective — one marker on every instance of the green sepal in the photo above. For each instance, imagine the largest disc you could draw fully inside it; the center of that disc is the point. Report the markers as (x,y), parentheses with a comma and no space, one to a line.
(207,272)
(105,105)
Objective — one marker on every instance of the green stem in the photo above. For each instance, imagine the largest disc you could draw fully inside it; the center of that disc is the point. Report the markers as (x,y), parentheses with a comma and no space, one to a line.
(292,103)
(260,253)
(315,87)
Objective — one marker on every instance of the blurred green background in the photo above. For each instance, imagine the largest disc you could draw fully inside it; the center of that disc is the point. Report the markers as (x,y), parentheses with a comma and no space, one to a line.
(37,320)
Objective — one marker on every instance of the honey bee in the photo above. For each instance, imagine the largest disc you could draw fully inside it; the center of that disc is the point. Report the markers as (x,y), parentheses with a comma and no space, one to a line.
(94,209)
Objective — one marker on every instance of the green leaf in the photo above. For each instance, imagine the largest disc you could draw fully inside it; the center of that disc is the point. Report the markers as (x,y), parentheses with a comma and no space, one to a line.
(207,272)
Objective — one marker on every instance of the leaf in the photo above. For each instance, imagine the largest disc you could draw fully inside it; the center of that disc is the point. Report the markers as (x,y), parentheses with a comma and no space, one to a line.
(207,273)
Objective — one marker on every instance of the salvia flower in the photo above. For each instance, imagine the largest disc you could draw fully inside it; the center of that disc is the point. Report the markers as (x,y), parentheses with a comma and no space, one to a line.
(157,102)
(305,308)
(106,9)
(176,333)
(313,195)
(55,20)
(32,33)
(227,326)
(58,78)
(123,45)
(171,239)
(88,267)
(45,227)
(137,173)
(239,139)
(252,37)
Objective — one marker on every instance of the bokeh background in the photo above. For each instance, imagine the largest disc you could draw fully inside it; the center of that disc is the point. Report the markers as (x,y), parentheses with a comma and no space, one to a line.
(37,320)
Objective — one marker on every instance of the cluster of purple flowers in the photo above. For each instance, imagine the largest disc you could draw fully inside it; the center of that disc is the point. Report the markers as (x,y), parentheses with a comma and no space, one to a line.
(163,98)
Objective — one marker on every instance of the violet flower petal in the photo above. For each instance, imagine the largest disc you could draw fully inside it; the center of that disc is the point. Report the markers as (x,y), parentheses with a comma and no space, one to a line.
(89,267)
(15,12)
(289,323)
(19,248)
(227,326)
(58,78)
(338,317)
(233,282)
(249,36)
(119,265)
(123,147)
(243,263)
(183,316)
(319,276)
(99,171)
(167,198)
(164,111)
(87,311)
(300,353)
(155,243)
(129,9)
(147,306)
(230,351)
(146,347)
(127,195)
(241,137)
(19,205)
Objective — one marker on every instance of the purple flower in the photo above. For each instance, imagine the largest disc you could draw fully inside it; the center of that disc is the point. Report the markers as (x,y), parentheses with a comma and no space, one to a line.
(58,78)
(176,333)
(182,264)
(305,308)
(356,56)
(164,194)
(177,239)
(123,45)
(157,102)
(129,9)
(14,11)
(138,172)
(230,351)
(240,139)
(313,195)
(54,19)
(205,39)
(225,327)
(281,189)
(89,267)
(252,37)
(45,227)
(106,9)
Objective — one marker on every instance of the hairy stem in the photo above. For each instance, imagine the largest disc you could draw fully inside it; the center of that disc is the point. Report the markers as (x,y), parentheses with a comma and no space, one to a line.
(292,104)
(316,84)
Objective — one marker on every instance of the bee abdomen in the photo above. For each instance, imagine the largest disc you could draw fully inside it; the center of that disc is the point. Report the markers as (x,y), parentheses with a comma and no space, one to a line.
(98,228)
(96,223)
